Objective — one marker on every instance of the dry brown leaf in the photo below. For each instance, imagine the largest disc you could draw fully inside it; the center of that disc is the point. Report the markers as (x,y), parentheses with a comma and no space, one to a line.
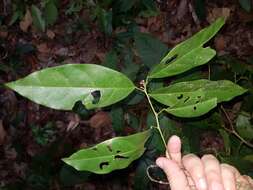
(218,12)
(100,56)
(26,22)
(2,133)
(74,121)
(245,16)
(50,34)
(3,34)
(100,119)
(220,43)
(43,48)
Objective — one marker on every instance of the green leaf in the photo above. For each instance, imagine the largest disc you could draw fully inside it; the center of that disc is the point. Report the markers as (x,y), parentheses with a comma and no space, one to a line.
(60,87)
(244,126)
(194,98)
(226,140)
(200,8)
(248,158)
(105,20)
(172,95)
(193,109)
(111,60)
(150,49)
(117,117)
(124,5)
(113,154)
(194,58)
(188,54)
(38,21)
(51,13)
(246,5)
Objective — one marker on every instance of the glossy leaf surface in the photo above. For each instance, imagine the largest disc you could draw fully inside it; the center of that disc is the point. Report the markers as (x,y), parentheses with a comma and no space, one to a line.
(61,87)
(188,54)
(199,93)
(113,154)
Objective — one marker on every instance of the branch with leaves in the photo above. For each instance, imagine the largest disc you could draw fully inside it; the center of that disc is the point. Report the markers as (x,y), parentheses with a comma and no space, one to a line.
(97,87)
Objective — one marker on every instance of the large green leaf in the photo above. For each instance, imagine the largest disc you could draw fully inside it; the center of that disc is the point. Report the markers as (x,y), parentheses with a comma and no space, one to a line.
(61,87)
(223,90)
(188,54)
(193,109)
(195,96)
(113,154)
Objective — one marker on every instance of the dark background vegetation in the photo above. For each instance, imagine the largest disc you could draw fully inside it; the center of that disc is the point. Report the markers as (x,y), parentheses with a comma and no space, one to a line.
(130,36)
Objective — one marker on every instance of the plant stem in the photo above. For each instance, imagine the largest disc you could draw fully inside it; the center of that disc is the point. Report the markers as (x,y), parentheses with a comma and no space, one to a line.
(233,131)
(155,114)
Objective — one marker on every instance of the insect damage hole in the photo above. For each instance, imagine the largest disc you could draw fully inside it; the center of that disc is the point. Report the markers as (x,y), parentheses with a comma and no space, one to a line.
(109,148)
(194,107)
(96,96)
(171,59)
(103,164)
(186,99)
(120,157)
(180,96)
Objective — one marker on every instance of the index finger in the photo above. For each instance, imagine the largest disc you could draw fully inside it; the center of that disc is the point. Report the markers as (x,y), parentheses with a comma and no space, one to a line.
(174,149)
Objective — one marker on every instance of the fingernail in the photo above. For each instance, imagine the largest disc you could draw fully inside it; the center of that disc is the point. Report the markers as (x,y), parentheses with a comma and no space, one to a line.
(159,163)
(216,186)
(201,184)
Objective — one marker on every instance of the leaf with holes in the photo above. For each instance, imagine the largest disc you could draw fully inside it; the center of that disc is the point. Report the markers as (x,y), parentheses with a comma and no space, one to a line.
(188,54)
(193,109)
(113,154)
(198,92)
(62,86)
(223,90)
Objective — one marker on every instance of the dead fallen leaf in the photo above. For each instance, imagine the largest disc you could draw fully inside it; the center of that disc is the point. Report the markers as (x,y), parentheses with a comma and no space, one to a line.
(10,153)
(100,119)
(26,22)
(43,48)
(3,34)
(215,13)
(50,34)
(220,43)
(2,133)
(245,16)
(74,121)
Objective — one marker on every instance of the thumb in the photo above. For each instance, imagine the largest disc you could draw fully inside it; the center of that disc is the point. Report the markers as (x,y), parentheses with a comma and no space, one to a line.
(175,175)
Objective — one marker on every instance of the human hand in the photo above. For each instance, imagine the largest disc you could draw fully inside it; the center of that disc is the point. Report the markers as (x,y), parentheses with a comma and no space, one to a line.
(191,172)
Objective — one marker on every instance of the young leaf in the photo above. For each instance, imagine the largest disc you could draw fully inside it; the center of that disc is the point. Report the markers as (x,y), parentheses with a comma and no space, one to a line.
(60,87)
(113,154)
(223,90)
(38,21)
(179,58)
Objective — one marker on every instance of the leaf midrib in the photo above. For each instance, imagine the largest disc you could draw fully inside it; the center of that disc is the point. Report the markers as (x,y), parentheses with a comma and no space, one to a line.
(104,156)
